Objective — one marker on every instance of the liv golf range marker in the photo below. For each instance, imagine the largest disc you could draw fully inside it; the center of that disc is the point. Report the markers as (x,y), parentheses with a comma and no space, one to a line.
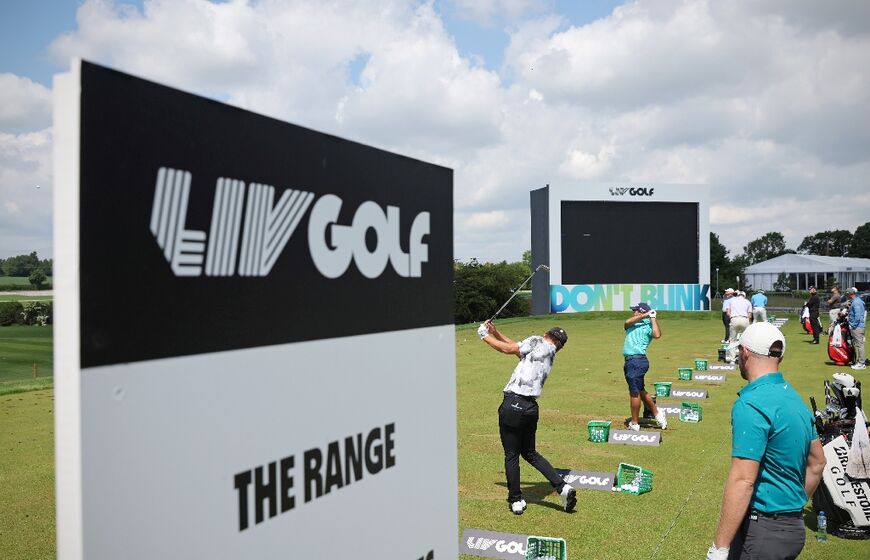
(489,544)
(689,393)
(629,437)
(709,377)
(588,480)
(253,385)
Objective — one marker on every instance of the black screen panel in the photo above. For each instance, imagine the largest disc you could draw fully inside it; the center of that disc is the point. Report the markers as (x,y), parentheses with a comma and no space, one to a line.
(629,242)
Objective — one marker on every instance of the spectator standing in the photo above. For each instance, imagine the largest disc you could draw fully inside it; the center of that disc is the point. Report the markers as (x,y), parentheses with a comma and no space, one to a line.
(857,317)
(813,307)
(776,458)
(759,305)
(739,312)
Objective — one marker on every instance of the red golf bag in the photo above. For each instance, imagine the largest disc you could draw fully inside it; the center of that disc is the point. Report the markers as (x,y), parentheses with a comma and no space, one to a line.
(805,320)
(840,343)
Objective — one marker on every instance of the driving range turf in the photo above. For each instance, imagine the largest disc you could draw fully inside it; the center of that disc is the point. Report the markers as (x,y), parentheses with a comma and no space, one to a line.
(586,383)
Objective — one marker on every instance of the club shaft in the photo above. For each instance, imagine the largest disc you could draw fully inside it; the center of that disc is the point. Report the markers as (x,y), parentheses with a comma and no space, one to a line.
(500,309)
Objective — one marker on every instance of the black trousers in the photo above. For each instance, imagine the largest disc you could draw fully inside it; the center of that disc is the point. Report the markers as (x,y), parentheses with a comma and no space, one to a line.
(517,424)
(727,322)
(768,538)
(815,325)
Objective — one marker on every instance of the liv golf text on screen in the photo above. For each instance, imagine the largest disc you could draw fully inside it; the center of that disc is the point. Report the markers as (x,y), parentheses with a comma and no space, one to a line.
(253,386)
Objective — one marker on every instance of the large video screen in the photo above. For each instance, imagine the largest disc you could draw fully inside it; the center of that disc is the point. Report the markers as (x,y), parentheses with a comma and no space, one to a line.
(629,242)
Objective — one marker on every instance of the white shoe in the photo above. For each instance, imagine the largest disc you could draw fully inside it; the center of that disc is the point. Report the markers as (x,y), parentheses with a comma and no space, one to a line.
(859,366)
(662,419)
(634,427)
(569,497)
(518,507)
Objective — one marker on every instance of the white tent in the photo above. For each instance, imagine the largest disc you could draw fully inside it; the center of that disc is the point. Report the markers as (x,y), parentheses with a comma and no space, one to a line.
(804,271)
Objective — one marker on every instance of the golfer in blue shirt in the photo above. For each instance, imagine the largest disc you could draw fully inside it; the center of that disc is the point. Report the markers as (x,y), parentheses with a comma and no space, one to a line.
(776,458)
(640,329)
(759,303)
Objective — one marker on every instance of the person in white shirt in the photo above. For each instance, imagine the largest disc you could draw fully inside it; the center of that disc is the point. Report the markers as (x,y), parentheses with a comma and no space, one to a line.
(729,295)
(739,314)
(518,413)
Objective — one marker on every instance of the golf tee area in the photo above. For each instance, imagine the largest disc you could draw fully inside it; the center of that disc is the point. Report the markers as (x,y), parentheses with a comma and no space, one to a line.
(676,520)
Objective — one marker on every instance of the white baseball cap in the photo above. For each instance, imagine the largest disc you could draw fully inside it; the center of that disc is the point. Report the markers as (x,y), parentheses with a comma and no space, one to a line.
(759,337)
(729,290)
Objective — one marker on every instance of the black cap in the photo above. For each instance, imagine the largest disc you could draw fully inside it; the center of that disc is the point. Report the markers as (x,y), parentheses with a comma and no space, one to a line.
(559,334)
(643,307)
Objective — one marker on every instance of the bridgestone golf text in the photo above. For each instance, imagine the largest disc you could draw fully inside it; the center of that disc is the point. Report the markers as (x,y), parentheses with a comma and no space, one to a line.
(333,467)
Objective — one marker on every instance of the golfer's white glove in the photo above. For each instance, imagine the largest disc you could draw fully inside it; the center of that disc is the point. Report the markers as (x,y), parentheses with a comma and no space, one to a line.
(652,313)
(714,553)
(482,331)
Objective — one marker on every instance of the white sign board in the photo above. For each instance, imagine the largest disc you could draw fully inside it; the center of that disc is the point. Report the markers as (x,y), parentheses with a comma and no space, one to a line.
(253,320)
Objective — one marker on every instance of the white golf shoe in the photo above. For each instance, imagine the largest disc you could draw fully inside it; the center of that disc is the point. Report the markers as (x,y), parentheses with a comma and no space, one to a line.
(569,497)
(518,507)
(634,427)
(859,366)
(662,419)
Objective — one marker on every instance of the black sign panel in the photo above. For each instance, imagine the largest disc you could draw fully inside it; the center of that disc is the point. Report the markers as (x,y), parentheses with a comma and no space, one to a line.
(204,227)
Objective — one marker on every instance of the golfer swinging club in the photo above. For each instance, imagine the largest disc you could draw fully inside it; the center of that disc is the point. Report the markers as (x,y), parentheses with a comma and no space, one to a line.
(518,413)
(640,329)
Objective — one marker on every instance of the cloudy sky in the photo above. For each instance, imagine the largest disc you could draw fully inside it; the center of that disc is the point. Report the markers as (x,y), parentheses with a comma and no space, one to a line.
(766,101)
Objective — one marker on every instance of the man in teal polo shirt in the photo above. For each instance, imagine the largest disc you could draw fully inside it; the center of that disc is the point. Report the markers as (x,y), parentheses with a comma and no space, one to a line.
(640,329)
(776,458)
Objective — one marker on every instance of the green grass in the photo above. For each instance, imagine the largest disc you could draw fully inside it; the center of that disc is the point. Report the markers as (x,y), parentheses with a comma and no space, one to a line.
(17,297)
(587,383)
(27,520)
(18,281)
(20,348)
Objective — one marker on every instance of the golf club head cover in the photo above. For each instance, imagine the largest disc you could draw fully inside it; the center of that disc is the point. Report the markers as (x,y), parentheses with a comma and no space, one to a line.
(482,331)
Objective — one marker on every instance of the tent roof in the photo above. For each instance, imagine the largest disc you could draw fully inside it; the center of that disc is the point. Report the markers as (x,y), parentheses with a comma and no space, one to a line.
(808,263)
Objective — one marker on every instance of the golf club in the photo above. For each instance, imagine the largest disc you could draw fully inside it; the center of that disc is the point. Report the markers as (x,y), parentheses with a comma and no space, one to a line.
(540,267)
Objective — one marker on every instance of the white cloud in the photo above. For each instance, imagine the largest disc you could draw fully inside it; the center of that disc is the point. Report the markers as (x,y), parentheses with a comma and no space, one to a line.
(487,12)
(766,102)
(24,104)
(25,210)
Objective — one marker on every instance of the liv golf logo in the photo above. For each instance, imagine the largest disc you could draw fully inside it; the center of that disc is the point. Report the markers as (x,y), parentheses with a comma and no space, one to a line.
(632,191)
(267,227)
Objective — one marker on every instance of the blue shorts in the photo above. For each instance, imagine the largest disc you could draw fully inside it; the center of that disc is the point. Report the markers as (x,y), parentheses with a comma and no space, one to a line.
(635,368)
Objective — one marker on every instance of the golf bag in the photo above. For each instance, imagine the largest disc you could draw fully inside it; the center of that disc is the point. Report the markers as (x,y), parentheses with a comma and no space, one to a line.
(842,399)
(805,320)
(840,343)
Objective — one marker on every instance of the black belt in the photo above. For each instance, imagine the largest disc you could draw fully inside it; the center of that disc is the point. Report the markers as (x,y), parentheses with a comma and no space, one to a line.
(633,356)
(519,396)
(777,515)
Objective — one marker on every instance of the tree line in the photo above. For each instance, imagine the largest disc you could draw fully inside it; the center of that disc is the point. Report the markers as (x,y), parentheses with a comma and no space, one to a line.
(28,266)
(833,243)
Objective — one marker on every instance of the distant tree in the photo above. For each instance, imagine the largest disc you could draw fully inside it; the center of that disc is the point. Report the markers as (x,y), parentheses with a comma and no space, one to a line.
(766,247)
(38,278)
(21,265)
(527,259)
(781,284)
(828,243)
(481,288)
(861,242)
(729,268)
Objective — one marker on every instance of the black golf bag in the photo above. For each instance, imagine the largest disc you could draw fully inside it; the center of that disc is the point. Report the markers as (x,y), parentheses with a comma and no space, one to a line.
(837,419)
(840,348)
